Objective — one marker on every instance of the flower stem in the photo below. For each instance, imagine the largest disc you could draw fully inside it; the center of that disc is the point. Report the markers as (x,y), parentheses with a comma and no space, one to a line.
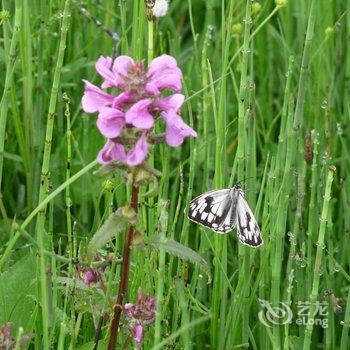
(124,274)
(150,49)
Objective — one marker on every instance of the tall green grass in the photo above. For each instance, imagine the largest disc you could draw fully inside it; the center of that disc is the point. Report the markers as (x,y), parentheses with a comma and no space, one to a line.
(267,90)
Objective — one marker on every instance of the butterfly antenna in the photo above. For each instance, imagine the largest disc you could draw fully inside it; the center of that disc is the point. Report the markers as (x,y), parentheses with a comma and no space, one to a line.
(241,181)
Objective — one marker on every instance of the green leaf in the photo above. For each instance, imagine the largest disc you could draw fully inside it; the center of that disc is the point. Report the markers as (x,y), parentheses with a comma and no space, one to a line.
(182,252)
(116,222)
(18,293)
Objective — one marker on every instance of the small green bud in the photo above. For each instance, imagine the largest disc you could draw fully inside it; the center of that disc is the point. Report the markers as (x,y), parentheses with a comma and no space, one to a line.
(107,185)
(4,16)
(281,3)
(237,28)
(256,7)
(329,31)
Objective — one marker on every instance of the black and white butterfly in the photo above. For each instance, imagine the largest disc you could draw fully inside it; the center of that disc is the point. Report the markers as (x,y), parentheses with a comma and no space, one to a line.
(223,210)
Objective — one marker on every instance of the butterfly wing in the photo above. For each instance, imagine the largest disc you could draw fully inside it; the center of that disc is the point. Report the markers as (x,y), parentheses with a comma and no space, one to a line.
(215,210)
(247,228)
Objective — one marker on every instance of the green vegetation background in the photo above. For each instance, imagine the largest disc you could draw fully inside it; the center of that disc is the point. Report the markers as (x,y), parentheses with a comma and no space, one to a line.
(267,91)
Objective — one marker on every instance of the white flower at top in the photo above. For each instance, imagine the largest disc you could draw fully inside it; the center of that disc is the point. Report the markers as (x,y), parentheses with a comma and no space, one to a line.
(160,8)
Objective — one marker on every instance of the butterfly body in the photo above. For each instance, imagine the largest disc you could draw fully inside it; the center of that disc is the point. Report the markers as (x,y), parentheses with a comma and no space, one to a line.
(226,209)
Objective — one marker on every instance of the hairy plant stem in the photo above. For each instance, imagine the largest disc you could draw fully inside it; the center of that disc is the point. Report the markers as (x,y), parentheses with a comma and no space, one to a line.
(124,273)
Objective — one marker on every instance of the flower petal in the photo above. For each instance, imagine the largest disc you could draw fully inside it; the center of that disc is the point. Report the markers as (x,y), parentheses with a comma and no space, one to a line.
(120,69)
(110,122)
(173,102)
(170,79)
(153,305)
(123,98)
(94,98)
(152,89)
(176,129)
(139,153)
(103,67)
(160,63)
(164,73)
(111,151)
(139,116)
(138,333)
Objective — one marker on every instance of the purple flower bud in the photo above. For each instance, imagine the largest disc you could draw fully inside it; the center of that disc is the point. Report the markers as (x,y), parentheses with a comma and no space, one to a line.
(140,314)
(138,333)
(90,277)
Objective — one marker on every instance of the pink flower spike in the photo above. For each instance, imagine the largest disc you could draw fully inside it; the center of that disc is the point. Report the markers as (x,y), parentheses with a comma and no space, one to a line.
(173,102)
(139,116)
(110,122)
(94,98)
(111,151)
(138,333)
(176,129)
(139,153)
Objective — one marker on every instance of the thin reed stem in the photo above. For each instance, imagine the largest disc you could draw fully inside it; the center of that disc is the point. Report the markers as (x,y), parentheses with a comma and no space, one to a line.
(10,67)
(161,272)
(244,252)
(220,286)
(44,180)
(68,175)
(304,69)
(346,325)
(318,259)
